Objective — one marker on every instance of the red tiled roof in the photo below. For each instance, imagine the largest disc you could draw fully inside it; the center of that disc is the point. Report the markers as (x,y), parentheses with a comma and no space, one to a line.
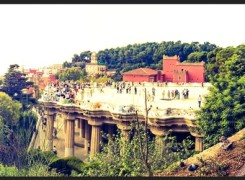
(141,71)
(32,71)
(38,72)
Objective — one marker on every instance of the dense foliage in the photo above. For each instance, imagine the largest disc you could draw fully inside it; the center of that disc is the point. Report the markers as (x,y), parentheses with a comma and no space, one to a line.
(143,55)
(122,158)
(224,110)
(9,110)
(14,82)
(17,121)
(16,127)
(73,74)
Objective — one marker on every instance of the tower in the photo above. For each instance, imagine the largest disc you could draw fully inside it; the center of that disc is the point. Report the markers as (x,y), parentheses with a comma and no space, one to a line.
(94,59)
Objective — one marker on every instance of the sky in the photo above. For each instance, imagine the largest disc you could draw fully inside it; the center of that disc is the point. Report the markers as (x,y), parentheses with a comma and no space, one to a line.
(38,35)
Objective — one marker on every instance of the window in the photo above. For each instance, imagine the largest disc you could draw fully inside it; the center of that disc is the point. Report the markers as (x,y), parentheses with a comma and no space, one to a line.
(179,77)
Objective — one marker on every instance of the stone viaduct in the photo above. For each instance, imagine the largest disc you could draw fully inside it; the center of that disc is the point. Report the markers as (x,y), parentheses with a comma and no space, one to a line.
(90,124)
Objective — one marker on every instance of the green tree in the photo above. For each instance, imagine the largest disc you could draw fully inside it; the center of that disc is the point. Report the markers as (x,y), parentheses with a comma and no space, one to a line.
(224,110)
(14,82)
(9,117)
(73,74)
(197,57)
(117,76)
(9,110)
(67,64)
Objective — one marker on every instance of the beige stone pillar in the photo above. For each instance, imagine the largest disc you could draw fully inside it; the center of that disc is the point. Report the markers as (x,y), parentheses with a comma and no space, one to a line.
(125,135)
(96,124)
(160,145)
(95,140)
(87,137)
(198,143)
(160,142)
(69,138)
(125,130)
(63,117)
(49,131)
(198,139)
(65,124)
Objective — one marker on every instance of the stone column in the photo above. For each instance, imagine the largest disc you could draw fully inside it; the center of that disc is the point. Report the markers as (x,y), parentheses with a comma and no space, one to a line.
(160,143)
(125,134)
(125,137)
(125,130)
(63,117)
(69,138)
(96,124)
(198,143)
(198,139)
(65,124)
(49,130)
(87,137)
(95,140)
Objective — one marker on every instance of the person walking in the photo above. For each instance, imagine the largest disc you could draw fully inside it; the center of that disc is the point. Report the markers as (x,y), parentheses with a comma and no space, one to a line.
(168,94)
(199,100)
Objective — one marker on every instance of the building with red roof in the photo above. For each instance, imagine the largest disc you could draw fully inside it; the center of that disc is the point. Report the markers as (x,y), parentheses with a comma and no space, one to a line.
(173,71)
(141,75)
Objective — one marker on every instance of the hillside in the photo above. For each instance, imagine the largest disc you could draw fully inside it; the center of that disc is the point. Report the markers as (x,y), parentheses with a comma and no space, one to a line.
(214,161)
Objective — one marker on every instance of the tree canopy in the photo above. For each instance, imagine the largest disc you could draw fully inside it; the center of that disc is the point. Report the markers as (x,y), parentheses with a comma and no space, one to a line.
(9,110)
(143,55)
(224,110)
(14,82)
(73,74)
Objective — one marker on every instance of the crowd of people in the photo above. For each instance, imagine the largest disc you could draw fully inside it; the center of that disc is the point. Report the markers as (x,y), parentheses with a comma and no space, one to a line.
(70,92)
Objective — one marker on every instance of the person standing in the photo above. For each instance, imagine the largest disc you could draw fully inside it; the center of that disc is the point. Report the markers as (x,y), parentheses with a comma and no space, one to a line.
(153,91)
(199,100)
(168,94)
(163,94)
(55,133)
